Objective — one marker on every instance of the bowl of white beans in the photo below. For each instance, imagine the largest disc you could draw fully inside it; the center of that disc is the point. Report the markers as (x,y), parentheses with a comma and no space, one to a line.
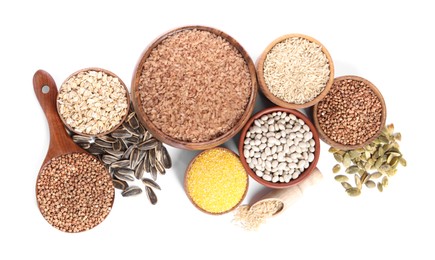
(279,147)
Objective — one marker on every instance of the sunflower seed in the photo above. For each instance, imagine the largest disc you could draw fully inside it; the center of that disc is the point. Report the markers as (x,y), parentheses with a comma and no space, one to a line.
(150,183)
(167,162)
(119,184)
(117,154)
(79,139)
(107,139)
(151,195)
(152,157)
(102,143)
(123,177)
(108,159)
(120,164)
(133,122)
(120,133)
(139,171)
(130,129)
(95,150)
(127,152)
(134,158)
(147,144)
(124,171)
(159,167)
(85,145)
(153,172)
(133,139)
(117,146)
(131,191)
(341,178)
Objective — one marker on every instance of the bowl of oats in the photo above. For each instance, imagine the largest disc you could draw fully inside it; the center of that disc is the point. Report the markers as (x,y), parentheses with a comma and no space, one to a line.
(93,102)
(295,71)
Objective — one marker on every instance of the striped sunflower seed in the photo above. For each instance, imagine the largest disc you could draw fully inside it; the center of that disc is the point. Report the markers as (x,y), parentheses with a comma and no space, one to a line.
(131,191)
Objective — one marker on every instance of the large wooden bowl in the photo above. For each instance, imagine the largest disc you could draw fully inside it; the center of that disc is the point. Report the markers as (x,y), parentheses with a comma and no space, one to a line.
(278,101)
(304,174)
(340,146)
(110,74)
(179,143)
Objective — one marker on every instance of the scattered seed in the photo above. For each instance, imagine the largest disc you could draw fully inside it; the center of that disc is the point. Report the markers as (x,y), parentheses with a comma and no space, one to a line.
(131,191)
(346,185)
(385,181)
(370,184)
(380,187)
(119,184)
(151,195)
(336,168)
(341,178)
(353,192)
(150,183)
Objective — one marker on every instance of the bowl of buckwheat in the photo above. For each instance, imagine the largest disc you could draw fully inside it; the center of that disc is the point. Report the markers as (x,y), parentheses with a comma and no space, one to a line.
(279,147)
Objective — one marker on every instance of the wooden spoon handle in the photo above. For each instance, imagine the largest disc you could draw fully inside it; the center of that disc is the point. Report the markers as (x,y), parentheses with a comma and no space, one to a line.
(46,93)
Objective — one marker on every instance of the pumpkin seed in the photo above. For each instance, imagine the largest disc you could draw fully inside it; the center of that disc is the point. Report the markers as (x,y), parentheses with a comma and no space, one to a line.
(402,161)
(336,168)
(346,185)
(338,157)
(353,192)
(352,169)
(358,182)
(380,187)
(375,175)
(370,184)
(385,181)
(346,160)
(341,178)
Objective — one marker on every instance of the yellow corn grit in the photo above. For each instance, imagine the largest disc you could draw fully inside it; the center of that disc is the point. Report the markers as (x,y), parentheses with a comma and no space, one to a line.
(216,180)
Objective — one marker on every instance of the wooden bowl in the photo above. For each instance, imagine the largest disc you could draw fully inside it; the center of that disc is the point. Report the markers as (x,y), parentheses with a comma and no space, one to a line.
(278,101)
(340,146)
(157,133)
(108,73)
(303,175)
(191,199)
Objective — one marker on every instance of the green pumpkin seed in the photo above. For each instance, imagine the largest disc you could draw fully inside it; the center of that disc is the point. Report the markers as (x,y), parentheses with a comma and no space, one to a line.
(402,161)
(346,160)
(346,185)
(338,157)
(380,187)
(375,175)
(370,184)
(358,182)
(385,181)
(341,178)
(353,192)
(352,169)
(333,150)
(336,168)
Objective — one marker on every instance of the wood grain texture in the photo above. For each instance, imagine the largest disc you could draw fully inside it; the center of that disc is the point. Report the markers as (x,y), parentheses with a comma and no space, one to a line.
(340,146)
(60,142)
(304,174)
(276,100)
(157,133)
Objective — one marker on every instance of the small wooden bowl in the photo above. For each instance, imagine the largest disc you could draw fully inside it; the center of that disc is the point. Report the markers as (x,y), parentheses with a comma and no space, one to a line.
(191,199)
(108,73)
(278,101)
(303,175)
(340,146)
(157,133)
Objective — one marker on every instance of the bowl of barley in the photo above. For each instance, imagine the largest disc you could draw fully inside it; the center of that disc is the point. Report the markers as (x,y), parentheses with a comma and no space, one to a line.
(352,114)
(295,71)
(194,87)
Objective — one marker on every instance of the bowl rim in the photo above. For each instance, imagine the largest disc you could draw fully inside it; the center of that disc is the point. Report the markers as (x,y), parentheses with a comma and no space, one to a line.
(160,135)
(186,175)
(278,101)
(344,147)
(305,173)
(110,73)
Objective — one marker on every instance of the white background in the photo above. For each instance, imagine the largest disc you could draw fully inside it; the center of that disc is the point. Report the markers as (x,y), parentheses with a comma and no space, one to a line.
(391,44)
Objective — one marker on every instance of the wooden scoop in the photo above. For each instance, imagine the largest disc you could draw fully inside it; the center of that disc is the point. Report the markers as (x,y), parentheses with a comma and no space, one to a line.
(61,144)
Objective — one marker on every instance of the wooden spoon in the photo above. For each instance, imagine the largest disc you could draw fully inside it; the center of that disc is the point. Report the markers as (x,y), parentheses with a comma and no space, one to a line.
(87,211)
